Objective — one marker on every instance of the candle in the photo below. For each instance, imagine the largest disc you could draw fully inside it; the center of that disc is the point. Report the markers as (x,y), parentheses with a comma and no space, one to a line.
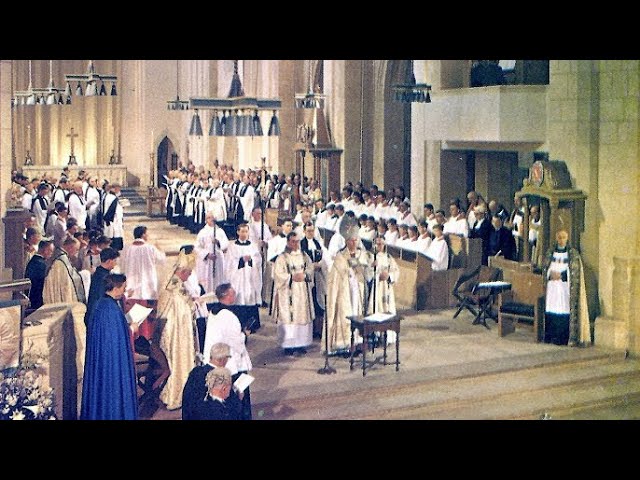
(28,137)
(152,141)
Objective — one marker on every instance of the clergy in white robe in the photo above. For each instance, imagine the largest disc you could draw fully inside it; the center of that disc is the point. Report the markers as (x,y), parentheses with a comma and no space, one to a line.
(438,251)
(369,231)
(457,225)
(224,327)
(27,197)
(63,283)
(321,216)
(391,237)
(331,218)
(346,294)
(382,297)
(424,239)
(243,270)
(59,230)
(59,193)
(113,217)
(260,234)
(247,197)
(40,206)
(177,332)
(293,312)
(215,202)
(78,206)
(93,203)
(321,259)
(211,243)
(139,263)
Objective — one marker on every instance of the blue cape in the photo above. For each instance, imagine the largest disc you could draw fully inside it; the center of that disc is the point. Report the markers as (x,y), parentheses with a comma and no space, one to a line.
(109,386)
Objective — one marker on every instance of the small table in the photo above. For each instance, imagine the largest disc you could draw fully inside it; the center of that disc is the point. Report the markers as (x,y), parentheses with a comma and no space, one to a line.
(493,290)
(367,327)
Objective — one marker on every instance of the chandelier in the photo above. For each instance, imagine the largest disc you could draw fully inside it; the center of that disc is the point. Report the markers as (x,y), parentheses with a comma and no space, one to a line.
(40,96)
(239,113)
(310,99)
(95,83)
(177,104)
(411,91)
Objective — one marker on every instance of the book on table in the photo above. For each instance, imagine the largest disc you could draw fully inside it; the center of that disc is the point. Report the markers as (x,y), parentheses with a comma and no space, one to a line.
(379,317)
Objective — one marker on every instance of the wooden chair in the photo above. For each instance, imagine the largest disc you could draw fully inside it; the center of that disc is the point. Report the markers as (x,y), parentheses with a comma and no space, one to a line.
(524,302)
(464,289)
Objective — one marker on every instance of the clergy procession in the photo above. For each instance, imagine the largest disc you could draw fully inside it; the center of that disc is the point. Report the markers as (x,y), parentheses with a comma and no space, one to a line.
(259,259)
(236,268)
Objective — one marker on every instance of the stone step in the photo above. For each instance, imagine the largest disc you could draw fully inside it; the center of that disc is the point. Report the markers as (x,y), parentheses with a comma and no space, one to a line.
(596,385)
(421,394)
(624,407)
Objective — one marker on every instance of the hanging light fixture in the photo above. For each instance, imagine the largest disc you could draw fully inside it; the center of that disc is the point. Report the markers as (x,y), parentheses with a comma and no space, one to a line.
(91,78)
(238,121)
(215,130)
(38,96)
(310,99)
(274,126)
(196,125)
(176,104)
(411,91)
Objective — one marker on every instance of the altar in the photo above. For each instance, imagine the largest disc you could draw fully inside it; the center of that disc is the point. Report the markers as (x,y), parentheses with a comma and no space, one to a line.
(113,173)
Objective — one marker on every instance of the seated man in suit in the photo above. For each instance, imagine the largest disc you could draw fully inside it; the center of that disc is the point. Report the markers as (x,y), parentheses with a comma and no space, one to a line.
(501,241)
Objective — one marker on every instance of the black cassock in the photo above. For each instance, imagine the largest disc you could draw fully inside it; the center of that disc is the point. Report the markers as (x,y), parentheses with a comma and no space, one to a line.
(197,405)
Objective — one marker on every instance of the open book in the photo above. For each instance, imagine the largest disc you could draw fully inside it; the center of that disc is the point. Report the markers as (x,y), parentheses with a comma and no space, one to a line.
(243,381)
(138,313)
(379,317)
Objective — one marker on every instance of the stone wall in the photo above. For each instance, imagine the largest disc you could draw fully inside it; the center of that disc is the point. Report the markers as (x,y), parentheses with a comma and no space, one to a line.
(593,126)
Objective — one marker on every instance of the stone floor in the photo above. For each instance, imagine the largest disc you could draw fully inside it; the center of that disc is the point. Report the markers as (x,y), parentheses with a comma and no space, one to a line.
(449,369)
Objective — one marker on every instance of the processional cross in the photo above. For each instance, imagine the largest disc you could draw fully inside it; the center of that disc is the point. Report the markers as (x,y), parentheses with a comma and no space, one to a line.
(72,157)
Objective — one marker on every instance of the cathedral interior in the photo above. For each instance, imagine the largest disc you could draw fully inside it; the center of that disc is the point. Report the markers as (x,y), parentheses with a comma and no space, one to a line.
(437,128)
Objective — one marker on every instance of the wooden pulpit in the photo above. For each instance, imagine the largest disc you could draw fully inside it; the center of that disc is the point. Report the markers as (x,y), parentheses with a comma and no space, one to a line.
(561,207)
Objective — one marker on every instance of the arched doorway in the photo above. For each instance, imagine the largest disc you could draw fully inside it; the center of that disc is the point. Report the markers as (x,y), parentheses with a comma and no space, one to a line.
(167,160)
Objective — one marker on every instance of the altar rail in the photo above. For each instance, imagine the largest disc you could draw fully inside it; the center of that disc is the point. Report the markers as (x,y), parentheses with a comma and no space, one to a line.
(113,173)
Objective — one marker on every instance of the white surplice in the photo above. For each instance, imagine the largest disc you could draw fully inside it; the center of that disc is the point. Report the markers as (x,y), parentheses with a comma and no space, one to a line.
(224,327)
(205,246)
(438,252)
(138,262)
(244,276)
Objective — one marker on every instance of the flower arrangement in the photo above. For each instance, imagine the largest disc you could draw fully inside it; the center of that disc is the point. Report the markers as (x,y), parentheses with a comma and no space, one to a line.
(22,396)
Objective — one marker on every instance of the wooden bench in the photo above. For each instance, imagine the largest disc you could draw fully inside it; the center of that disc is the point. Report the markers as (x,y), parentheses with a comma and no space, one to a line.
(525,301)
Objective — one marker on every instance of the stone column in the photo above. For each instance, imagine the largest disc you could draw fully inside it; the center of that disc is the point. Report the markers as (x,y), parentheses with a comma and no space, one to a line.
(286,91)
(622,329)
(13,245)
(432,150)
(6,92)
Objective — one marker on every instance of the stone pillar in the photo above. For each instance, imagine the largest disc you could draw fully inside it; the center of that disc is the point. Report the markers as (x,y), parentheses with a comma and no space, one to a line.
(6,92)
(621,331)
(432,150)
(418,154)
(286,91)
(13,244)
